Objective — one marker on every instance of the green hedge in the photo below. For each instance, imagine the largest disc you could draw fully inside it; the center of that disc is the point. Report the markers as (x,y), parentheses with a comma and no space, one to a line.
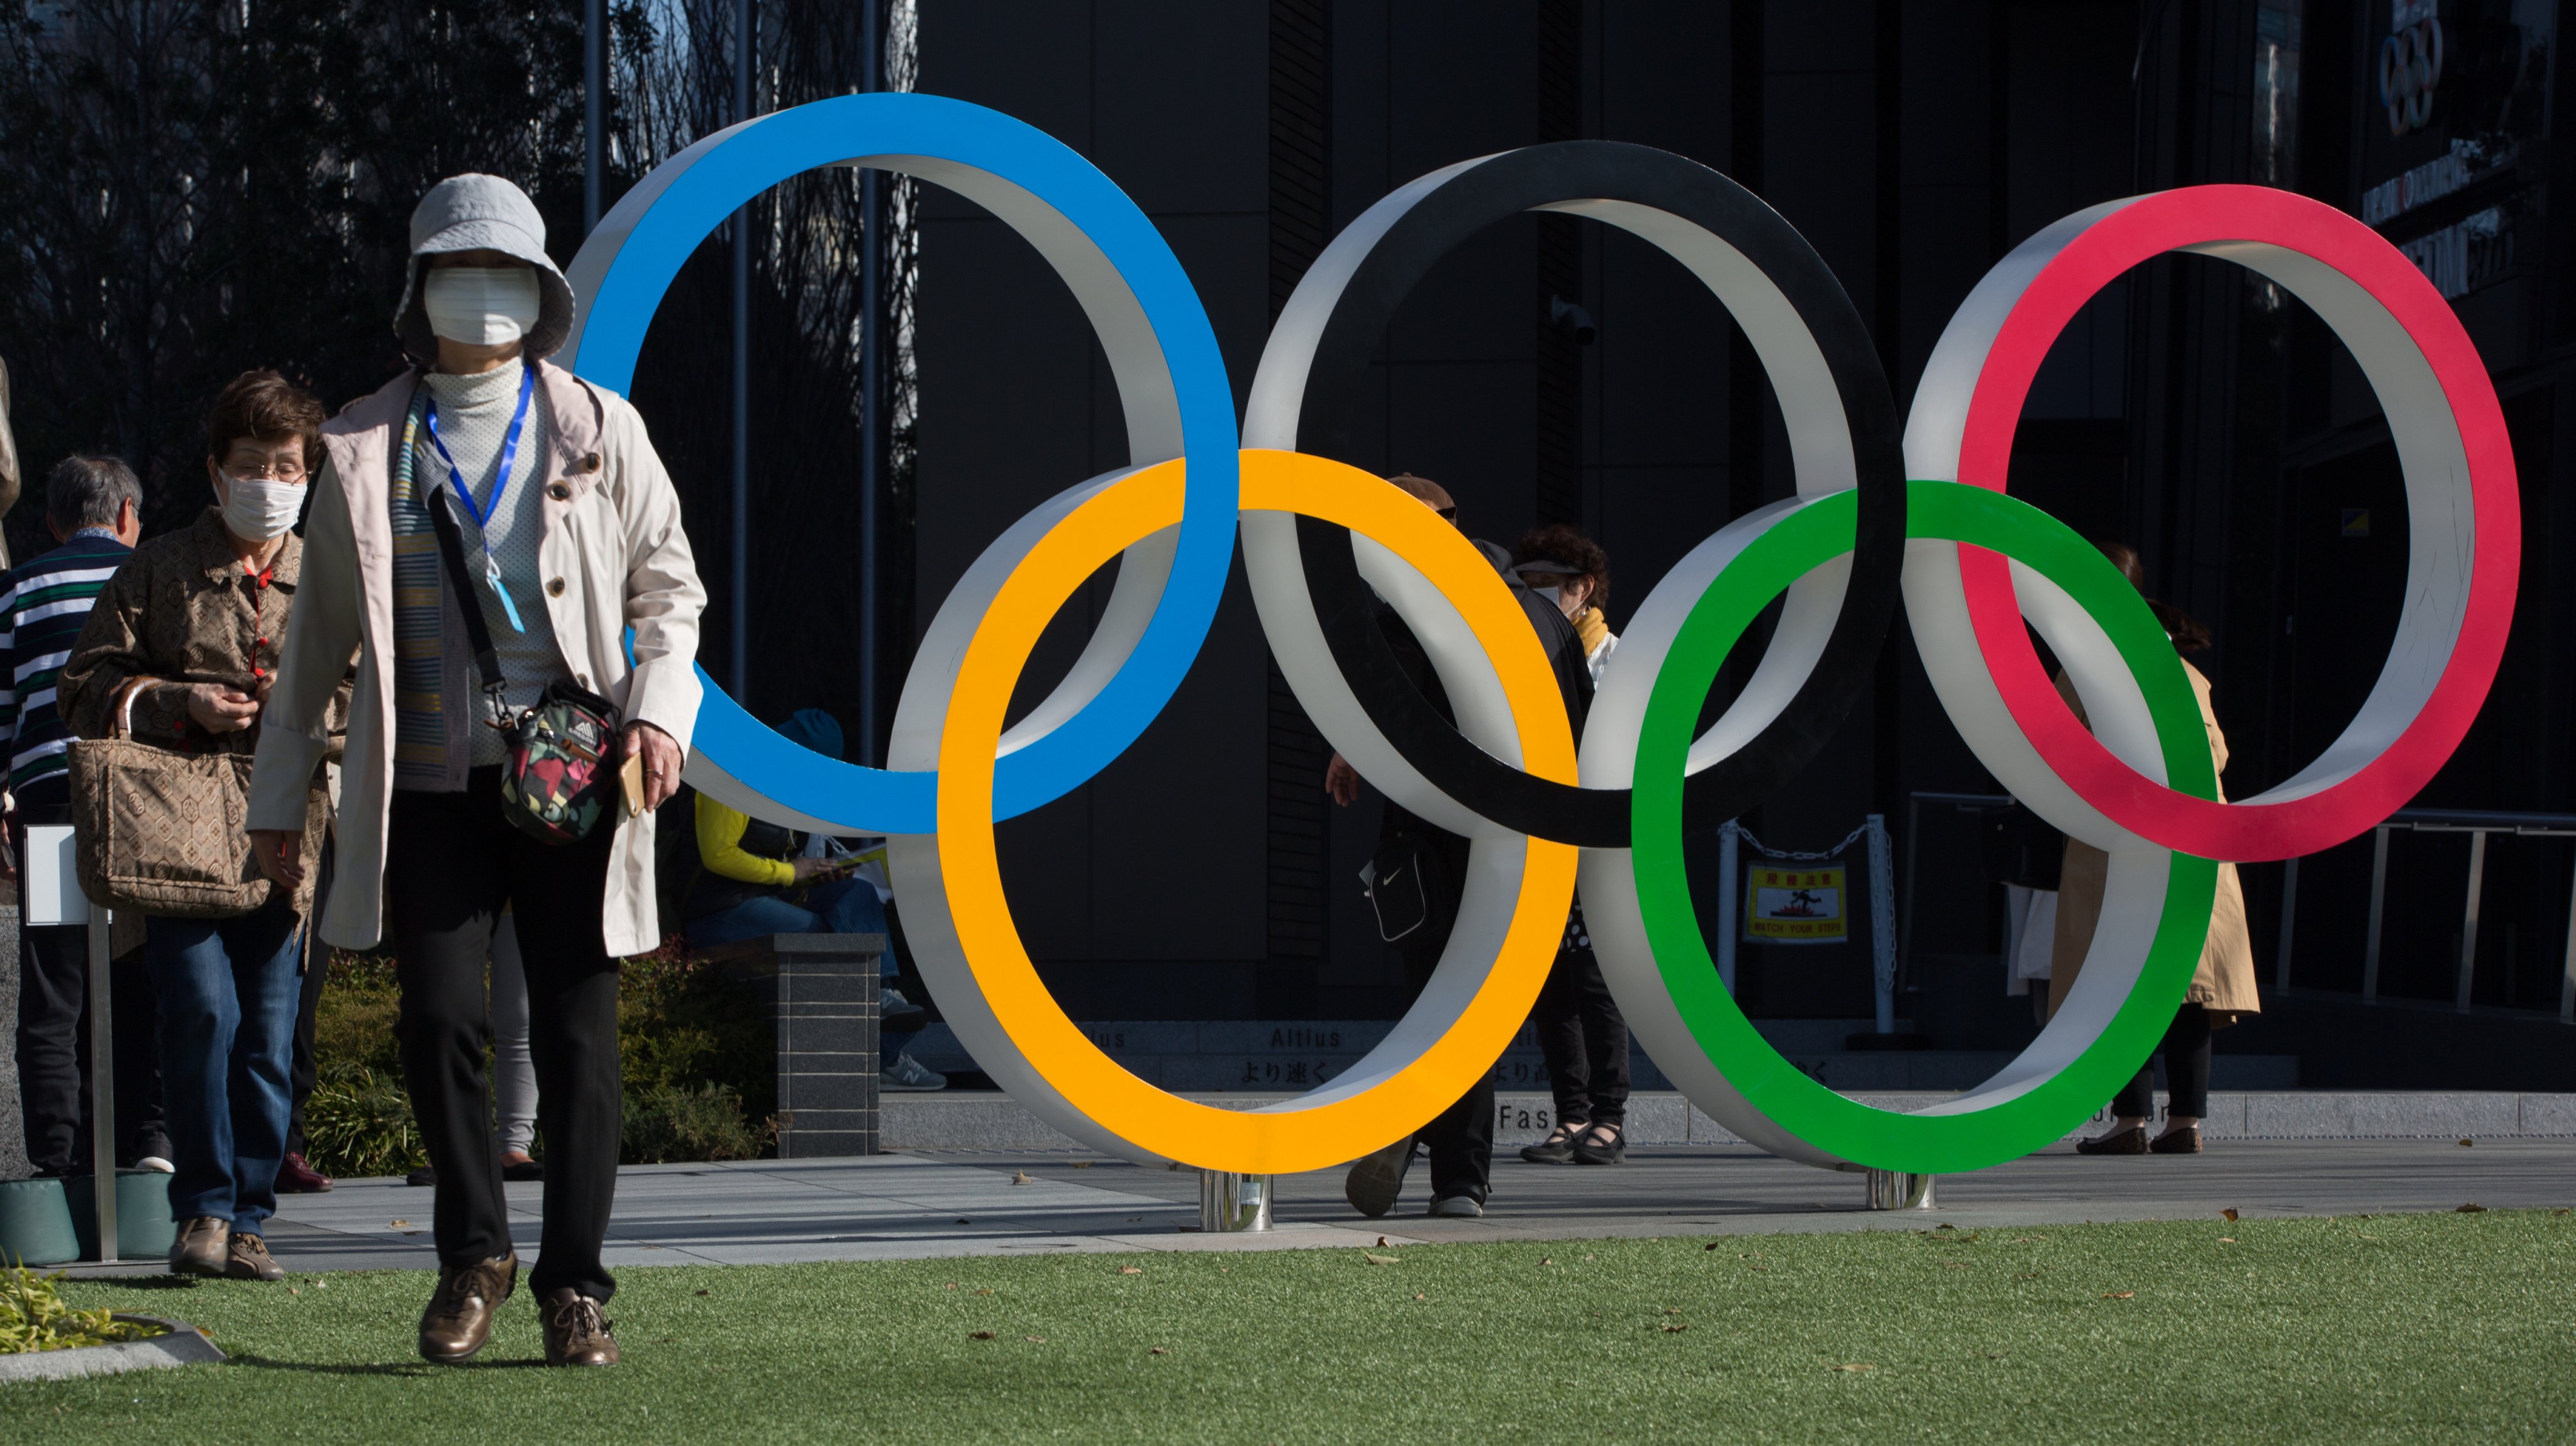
(696,1051)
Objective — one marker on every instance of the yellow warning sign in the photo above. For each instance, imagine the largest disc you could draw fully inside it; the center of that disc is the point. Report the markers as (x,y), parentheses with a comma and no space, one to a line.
(1795,906)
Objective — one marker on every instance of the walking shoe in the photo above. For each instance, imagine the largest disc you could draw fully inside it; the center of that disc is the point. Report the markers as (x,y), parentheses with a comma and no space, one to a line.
(1377,1177)
(1557,1148)
(157,1165)
(1604,1144)
(2182,1141)
(522,1170)
(295,1177)
(246,1257)
(896,1012)
(459,1317)
(1458,1207)
(909,1074)
(200,1248)
(2131,1141)
(423,1178)
(576,1332)
(152,1152)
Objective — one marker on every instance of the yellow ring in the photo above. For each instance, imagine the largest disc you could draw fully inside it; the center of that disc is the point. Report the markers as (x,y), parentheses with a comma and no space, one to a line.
(1292,1135)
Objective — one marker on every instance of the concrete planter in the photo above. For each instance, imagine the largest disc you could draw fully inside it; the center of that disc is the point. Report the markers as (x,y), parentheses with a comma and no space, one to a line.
(55,1222)
(36,1224)
(185,1345)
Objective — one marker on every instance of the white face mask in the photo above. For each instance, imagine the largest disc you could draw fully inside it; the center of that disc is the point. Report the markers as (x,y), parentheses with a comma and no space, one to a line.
(258,509)
(481,305)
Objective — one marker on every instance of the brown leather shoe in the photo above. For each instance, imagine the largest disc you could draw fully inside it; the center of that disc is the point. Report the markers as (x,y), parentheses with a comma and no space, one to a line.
(459,1318)
(246,1257)
(2131,1141)
(2183,1141)
(297,1177)
(576,1332)
(201,1246)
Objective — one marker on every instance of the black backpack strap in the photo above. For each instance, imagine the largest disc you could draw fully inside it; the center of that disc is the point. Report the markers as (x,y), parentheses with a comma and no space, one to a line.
(451,548)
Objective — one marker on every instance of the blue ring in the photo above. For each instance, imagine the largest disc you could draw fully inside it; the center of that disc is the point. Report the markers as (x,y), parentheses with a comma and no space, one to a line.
(750,159)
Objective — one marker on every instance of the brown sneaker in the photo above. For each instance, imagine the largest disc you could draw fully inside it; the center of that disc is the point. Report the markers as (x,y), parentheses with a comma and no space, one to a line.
(200,1248)
(246,1257)
(459,1318)
(576,1332)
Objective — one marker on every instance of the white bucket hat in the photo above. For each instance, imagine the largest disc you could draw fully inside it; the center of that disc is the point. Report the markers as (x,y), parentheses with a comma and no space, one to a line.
(477,212)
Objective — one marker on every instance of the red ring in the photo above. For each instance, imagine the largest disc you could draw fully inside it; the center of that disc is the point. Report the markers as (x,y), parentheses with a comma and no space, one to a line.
(2148,227)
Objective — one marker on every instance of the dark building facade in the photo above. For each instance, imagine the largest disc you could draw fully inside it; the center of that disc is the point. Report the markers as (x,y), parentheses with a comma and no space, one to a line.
(2191,409)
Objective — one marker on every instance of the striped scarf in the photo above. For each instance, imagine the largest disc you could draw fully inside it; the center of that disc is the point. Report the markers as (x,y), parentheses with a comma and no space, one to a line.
(420,663)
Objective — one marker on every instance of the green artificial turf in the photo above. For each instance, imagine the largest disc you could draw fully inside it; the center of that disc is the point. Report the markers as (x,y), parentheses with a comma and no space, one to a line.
(2412,1328)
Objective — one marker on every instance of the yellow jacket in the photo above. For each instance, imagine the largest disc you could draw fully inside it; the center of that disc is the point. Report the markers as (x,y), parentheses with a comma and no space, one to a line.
(720,849)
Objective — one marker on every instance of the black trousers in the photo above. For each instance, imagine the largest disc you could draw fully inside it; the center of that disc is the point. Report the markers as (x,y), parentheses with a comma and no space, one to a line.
(1582,1034)
(1461,1137)
(52,1043)
(451,862)
(2186,1052)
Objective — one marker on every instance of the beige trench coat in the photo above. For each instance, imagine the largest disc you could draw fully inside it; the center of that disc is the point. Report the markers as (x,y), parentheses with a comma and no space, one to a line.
(2224,982)
(615,557)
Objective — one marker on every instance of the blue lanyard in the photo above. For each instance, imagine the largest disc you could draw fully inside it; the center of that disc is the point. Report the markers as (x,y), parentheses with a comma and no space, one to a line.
(483,516)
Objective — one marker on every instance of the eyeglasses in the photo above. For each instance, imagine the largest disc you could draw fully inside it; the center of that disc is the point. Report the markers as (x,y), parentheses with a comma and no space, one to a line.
(289,472)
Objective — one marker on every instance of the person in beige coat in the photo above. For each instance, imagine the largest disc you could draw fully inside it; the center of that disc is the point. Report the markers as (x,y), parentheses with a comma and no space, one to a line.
(572,531)
(2222,988)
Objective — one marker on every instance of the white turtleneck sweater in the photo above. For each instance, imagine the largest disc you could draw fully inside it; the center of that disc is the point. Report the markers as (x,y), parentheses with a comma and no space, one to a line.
(473,419)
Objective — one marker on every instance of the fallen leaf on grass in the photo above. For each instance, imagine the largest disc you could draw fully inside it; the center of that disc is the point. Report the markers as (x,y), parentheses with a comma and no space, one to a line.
(1129,1270)
(2119,1295)
(1676,1327)
(1855,1366)
(1037,1340)
(2027,1275)
(2561,1210)
(1547,1260)
(979,1335)
(2472,1209)
(1994,1355)
(703,1292)
(1672,1310)
(1021,1177)
(2228,1214)
(988,1290)
(2227,1240)
(291,1290)
(1375,1259)
(1945,1226)
(1381,1242)
(1712,1245)
(1417,1295)
(1158,1351)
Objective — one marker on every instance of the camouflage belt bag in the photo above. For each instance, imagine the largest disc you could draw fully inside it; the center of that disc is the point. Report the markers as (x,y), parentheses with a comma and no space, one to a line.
(560,773)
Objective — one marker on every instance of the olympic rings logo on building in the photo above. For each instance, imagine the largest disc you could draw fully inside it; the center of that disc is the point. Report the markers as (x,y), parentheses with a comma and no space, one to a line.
(2410,66)
(1882,511)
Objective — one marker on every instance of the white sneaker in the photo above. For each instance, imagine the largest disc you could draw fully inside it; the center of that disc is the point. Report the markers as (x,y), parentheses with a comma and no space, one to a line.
(1457,1207)
(907,1073)
(890,999)
(157,1164)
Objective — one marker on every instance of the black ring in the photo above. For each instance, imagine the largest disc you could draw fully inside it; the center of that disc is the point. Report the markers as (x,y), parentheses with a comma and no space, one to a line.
(1491,191)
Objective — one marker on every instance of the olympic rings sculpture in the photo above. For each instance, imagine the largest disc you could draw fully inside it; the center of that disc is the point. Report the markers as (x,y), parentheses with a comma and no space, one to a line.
(1879,513)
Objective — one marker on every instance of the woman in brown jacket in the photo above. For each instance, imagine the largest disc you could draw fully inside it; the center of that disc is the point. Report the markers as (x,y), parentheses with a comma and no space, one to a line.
(2222,988)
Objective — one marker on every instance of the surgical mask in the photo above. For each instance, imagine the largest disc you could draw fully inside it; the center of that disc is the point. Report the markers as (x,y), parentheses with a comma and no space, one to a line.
(481,305)
(259,509)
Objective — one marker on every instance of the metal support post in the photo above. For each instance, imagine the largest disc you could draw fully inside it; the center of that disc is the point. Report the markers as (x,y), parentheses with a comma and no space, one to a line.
(873,450)
(2567,980)
(2378,900)
(740,590)
(2289,918)
(1882,932)
(594,110)
(1913,867)
(102,1086)
(1899,1190)
(2469,918)
(1232,1203)
(1730,878)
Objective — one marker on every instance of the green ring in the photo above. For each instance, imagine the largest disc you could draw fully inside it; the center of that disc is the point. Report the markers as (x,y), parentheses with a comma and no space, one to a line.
(2044,1113)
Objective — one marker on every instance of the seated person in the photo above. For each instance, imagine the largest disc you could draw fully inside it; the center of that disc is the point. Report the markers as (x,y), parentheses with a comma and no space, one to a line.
(758,878)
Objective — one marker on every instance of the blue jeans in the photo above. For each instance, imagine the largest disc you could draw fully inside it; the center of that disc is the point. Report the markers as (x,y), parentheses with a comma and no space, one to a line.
(228,990)
(840,906)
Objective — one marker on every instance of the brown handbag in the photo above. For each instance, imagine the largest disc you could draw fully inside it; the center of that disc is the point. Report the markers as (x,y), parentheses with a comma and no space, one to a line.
(162,832)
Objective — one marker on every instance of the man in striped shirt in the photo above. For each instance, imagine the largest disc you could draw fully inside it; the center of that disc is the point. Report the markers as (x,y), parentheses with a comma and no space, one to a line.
(91,506)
